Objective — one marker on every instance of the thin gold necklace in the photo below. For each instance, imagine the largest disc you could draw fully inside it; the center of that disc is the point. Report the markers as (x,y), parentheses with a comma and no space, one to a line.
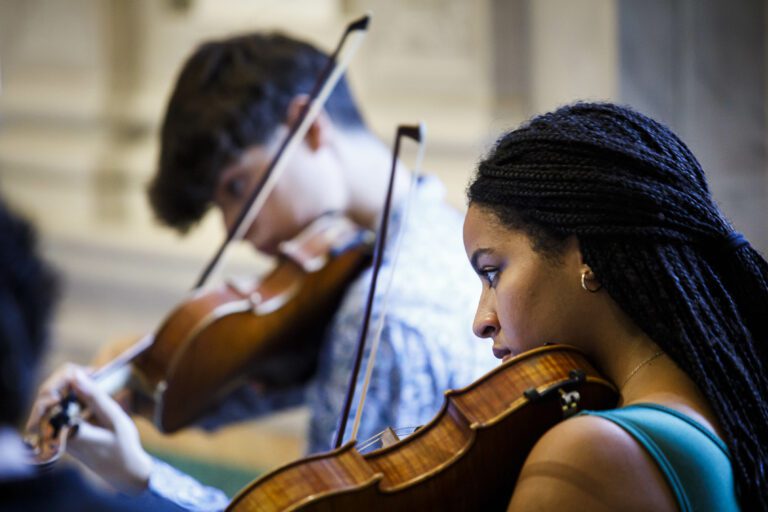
(637,368)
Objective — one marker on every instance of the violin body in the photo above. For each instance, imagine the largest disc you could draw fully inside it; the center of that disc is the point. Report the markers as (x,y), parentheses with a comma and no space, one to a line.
(268,330)
(467,458)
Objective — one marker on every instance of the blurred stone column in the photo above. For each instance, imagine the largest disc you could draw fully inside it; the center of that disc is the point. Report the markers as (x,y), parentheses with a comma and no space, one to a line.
(574,52)
(511,65)
(51,118)
(700,67)
(547,53)
(124,46)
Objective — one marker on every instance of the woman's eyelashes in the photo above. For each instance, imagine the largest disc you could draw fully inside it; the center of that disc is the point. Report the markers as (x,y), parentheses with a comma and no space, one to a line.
(490,275)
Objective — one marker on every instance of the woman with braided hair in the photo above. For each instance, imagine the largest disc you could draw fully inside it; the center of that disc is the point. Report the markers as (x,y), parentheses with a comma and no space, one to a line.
(593,226)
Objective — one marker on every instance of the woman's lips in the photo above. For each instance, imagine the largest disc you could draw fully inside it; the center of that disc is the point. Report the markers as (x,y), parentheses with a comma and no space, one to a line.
(502,353)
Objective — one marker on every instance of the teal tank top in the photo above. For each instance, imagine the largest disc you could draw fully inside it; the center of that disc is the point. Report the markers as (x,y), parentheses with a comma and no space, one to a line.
(693,460)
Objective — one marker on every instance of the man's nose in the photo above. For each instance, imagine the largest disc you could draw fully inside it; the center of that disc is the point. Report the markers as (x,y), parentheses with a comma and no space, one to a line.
(229,216)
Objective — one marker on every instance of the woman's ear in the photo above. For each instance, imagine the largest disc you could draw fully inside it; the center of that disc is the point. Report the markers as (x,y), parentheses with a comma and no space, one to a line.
(575,259)
(320,131)
(572,253)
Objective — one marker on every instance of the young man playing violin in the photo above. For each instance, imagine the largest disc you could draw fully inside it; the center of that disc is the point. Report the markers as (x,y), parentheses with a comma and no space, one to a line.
(232,104)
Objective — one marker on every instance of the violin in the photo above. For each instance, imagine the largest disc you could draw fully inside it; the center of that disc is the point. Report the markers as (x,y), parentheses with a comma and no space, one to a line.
(467,458)
(265,330)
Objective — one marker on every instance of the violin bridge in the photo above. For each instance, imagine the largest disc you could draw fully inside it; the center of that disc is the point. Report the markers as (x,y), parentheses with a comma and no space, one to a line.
(389,437)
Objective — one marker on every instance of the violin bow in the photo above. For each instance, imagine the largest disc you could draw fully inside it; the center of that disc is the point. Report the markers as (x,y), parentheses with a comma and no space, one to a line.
(415,133)
(332,72)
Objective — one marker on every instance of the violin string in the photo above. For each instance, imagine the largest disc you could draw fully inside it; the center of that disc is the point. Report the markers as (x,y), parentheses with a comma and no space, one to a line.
(363,446)
(415,174)
(371,440)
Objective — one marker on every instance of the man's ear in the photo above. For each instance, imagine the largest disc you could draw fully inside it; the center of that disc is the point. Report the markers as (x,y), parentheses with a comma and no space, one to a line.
(320,131)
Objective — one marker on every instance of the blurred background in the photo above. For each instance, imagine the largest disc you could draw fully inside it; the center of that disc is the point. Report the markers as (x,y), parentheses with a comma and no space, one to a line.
(84,85)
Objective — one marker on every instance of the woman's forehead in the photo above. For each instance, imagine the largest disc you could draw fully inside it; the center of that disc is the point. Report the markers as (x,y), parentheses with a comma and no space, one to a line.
(482,219)
(484,230)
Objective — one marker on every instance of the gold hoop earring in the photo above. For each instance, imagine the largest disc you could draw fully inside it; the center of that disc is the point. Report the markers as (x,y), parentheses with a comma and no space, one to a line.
(584,282)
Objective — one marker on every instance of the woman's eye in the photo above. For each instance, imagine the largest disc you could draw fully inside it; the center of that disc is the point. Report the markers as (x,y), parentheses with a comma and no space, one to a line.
(489,275)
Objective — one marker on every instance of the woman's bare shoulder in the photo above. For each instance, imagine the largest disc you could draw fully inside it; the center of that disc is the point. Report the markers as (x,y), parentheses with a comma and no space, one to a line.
(590,463)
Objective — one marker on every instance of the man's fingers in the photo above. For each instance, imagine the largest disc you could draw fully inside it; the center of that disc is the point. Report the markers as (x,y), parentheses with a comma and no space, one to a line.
(88,437)
(39,409)
(59,380)
(106,411)
(51,392)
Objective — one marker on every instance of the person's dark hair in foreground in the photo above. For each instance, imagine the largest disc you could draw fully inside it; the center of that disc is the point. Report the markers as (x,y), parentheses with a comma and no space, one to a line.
(27,294)
(28,289)
(637,200)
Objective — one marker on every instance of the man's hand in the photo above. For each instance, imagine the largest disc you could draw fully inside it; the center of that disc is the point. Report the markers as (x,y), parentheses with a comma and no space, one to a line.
(108,442)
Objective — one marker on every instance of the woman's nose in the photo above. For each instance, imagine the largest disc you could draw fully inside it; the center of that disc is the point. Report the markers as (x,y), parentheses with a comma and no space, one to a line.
(486,323)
